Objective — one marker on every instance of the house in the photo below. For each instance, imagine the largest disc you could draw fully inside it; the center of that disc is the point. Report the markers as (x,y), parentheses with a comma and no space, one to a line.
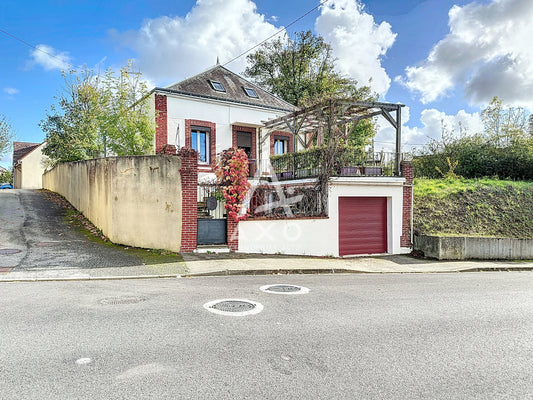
(28,165)
(215,110)
(368,206)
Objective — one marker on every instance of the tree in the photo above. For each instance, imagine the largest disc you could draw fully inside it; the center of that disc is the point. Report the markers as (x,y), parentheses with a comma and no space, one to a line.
(6,177)
(302,72)
(503,124)
(6,135)
(98,115)
(300,69)
(504,148)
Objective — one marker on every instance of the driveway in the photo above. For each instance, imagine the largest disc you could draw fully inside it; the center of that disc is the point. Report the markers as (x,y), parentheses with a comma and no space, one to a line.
(37,239)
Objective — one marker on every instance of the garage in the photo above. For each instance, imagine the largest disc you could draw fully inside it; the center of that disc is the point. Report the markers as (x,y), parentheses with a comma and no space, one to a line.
(362,225)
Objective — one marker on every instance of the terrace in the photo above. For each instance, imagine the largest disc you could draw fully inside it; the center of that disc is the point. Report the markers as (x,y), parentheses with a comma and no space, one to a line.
(319,132)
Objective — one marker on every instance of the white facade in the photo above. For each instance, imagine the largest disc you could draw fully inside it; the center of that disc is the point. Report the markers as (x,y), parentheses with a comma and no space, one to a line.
(223,114)
(320,236)
(28,173)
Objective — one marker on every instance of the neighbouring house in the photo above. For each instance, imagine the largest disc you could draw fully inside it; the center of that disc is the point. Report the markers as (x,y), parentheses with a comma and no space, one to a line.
(369,202)
(28,165)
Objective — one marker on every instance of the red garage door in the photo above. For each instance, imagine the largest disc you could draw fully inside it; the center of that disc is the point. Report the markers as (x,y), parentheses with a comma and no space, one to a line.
(362,225)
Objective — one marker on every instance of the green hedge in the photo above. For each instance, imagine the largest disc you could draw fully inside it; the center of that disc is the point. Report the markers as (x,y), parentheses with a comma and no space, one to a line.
(479,158)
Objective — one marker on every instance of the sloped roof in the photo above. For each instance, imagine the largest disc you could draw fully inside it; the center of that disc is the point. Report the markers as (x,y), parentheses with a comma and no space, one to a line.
(233,84)
(21,149)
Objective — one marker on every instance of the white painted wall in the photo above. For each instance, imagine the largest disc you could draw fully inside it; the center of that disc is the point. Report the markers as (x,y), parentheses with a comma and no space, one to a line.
(224,115)
(320,237)
(31,170)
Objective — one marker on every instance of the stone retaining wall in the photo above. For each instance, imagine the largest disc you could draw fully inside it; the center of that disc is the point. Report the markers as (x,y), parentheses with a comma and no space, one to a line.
(463,248)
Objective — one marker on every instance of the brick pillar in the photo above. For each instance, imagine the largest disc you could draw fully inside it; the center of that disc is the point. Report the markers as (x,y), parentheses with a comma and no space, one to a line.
(233,234)
(407,217)
(189,204)
(160,122)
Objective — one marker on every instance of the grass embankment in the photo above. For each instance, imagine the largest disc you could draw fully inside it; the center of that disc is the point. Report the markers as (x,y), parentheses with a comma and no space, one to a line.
(473,207)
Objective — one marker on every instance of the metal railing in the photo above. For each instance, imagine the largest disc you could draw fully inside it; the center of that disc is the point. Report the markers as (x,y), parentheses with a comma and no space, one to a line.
(210,201)
(310,164)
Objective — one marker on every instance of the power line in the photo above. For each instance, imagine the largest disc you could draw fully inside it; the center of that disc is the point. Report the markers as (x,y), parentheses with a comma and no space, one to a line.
(35,47)
(277,33)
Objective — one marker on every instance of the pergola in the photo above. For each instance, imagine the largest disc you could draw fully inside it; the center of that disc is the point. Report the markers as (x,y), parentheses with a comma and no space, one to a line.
(308,124)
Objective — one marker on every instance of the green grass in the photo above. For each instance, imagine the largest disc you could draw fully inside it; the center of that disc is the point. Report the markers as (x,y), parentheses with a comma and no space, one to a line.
(474,207)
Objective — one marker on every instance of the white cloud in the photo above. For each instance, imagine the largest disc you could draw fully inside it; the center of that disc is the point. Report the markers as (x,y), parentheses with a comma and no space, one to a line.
(49,58)
(357,41)
(433,120)
(11,91)
(178,47)
(488,50)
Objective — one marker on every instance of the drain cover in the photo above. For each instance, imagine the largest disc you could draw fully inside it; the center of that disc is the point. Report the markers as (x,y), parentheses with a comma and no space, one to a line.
(284,289)
(234,307)
(122,300)
(8,252)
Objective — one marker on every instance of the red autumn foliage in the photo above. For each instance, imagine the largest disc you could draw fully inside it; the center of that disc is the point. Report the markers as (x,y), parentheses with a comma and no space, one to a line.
(232,172)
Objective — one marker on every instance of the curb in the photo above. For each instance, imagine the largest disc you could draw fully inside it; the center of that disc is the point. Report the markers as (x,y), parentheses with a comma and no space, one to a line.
(254,272)
(92,278)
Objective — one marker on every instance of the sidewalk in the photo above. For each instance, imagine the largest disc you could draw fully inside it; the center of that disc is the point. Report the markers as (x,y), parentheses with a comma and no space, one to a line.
(258,264)
(233,264)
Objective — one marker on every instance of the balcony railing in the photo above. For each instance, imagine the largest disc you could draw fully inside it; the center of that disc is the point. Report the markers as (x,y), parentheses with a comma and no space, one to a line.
(310,164)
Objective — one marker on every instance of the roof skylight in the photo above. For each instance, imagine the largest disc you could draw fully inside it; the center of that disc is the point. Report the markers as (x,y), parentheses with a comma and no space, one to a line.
(217,86)
(250,92)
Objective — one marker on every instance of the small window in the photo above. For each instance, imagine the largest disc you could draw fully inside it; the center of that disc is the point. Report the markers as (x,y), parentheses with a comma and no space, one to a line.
(217,86)
(250,92)
(281,146)
(200,143)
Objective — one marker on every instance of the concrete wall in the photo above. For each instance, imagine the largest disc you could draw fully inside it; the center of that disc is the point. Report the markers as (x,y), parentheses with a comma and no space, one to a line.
(320,237)
(135,201)
(463,248)
(29,173)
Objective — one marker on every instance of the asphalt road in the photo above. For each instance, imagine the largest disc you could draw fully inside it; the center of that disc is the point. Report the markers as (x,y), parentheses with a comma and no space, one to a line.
(35,230)
(423,336)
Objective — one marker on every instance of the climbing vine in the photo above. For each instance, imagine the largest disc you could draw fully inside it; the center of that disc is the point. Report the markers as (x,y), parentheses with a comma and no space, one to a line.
(232,171)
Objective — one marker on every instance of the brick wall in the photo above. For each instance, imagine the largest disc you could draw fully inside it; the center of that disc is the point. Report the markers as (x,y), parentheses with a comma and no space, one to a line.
(407,217)
(233,234)
(189,183)
(161,122)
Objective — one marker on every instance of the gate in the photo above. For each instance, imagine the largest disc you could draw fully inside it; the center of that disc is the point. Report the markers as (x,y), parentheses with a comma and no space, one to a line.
(211,215)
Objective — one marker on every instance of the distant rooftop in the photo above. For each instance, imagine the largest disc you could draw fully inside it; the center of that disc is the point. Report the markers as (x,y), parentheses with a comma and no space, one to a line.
(21,149)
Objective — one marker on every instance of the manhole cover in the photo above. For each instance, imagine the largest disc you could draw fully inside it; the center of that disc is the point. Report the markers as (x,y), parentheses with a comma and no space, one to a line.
(234,307)
(46,244)
(284,289)
(122,300)
(8,252)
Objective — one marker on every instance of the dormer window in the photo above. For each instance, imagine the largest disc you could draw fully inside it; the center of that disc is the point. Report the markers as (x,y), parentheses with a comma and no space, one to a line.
(250,92)
(217,86)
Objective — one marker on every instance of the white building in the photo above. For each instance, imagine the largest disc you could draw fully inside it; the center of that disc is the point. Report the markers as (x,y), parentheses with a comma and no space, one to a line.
(28,165)
(216,110)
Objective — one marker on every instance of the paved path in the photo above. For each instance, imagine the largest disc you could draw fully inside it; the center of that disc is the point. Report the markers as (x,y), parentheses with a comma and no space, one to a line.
(36,243)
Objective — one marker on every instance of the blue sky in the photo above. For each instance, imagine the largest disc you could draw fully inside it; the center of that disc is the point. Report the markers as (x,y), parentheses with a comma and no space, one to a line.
(443,59)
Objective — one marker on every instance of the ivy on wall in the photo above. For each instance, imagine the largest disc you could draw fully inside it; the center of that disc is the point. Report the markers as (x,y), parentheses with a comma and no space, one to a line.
(232,172)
